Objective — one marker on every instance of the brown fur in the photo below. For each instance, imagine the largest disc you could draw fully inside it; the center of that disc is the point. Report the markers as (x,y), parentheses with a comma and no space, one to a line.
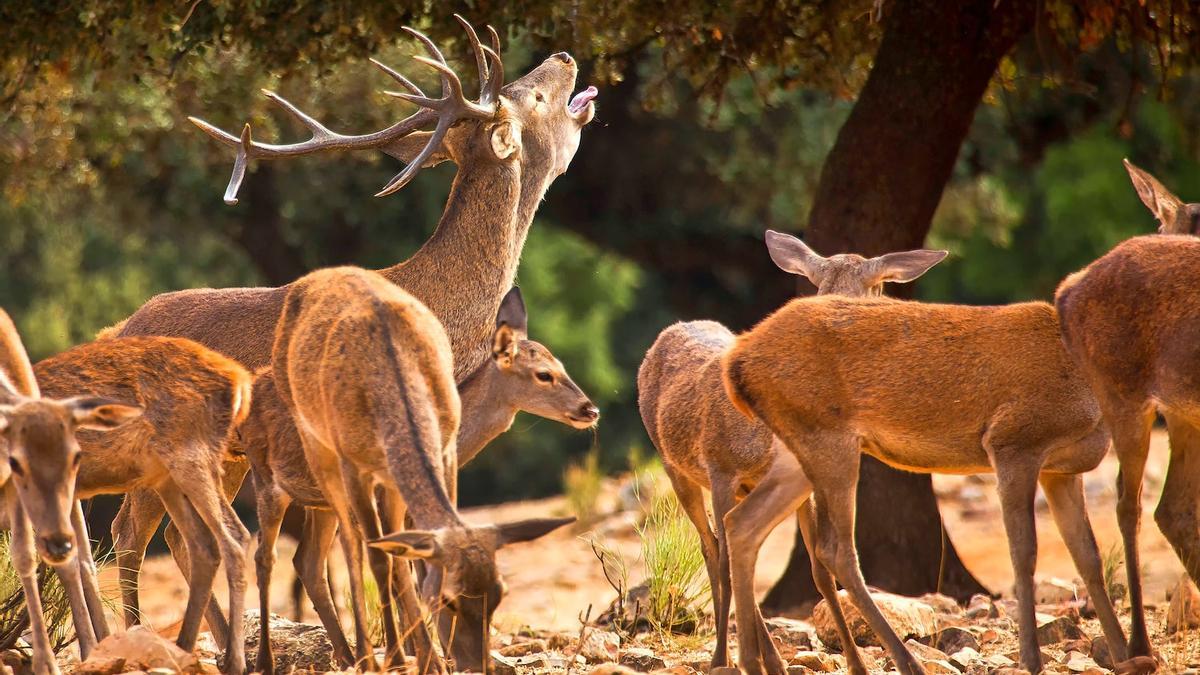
(1131,321)
(926,387)
(706,445)
(193,398)
(1174,216)
(366,371)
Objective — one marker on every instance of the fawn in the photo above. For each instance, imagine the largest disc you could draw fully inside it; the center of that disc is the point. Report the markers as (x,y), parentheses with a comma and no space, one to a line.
(39,438)
(522,375)
(706,444)
(365,369)
(930,388)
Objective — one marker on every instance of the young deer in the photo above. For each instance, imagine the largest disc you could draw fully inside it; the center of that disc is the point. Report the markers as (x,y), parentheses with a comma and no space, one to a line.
(38,482)
(522,375)
(365,370)
(930,388)
(679,382)
(509,145)
(1126,319)
(193,398)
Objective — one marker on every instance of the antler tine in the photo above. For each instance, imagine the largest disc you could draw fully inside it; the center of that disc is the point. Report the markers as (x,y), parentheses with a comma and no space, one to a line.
(319,131)
(480,57)
(435,141)
(496,81)
(239,166)
(452,96)
(429,47)
(404,81)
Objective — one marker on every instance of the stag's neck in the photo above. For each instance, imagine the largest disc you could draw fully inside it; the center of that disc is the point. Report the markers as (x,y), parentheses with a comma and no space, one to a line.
(487,411)
(470,262)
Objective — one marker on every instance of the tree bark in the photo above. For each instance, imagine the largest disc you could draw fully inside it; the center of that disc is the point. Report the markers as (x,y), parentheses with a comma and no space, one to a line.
(878,190)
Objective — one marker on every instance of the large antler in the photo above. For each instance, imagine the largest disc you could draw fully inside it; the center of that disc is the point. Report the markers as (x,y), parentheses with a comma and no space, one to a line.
(452,107)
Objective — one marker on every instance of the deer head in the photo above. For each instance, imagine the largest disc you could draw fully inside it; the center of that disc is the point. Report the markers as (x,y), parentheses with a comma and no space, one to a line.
(471,585)
(1174,216)
(532,121)
(39,437)
(848,274)
(530,377)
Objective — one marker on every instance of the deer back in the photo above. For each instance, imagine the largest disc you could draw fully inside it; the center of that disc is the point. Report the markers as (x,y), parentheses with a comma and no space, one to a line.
(918,382)
(1132,320)
(192,398)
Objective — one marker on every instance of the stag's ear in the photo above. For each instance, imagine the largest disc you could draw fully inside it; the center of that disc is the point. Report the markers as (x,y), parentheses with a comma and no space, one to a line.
(100,414)
(906,265)
(528,530)
(406,148)
(1161,201)
(505,139)
(408,544)
(512,312)
(793,255)
(5,411)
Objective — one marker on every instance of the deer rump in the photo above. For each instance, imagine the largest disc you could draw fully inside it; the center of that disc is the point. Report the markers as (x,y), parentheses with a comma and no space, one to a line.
(919,383)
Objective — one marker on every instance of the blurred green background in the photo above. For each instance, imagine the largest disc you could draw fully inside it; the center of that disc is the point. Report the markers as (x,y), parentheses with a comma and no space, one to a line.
(108,195)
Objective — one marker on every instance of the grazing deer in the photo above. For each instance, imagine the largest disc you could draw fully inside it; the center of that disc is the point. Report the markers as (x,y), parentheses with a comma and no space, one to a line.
(930,388)
(1127,319)
(706,444)
(38,482)
(509,145)
(366,372)
(522,375)
(193,398)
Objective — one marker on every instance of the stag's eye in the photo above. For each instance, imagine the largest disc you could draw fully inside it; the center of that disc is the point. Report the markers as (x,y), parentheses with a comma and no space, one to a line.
(450,603)
(15,466)
(537,95)
(544,376)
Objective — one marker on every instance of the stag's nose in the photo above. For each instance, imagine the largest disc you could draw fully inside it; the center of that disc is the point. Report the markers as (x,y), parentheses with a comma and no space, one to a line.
(57,546)
(565,58)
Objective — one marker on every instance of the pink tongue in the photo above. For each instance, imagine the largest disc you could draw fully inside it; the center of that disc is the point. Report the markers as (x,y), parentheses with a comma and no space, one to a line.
(582,99)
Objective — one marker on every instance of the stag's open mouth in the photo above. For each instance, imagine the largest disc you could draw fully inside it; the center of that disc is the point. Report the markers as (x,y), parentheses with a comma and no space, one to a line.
(581,104)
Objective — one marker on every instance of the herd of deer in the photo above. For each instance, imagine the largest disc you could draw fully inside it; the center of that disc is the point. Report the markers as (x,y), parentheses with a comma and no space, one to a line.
(357,394)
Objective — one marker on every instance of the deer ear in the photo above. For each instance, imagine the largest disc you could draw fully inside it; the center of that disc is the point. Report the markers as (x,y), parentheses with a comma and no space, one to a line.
(406,148)
(528,530)
(100,414)
(504,345)
(906,266)
(421,544)
(793,255)
(1161,201)
(512,312)
(505,139)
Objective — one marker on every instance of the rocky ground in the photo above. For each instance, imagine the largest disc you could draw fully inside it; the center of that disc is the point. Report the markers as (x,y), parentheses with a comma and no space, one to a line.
(557,582)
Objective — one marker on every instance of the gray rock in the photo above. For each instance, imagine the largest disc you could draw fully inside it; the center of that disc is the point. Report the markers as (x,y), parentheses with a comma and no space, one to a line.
(600,646)
(295,646)
(952,639)
(799,634)
(908,616)
(641,659)
(1052,630)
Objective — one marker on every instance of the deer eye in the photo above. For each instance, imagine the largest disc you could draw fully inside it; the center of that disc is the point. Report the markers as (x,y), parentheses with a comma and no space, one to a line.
(450,603)
(15,466)
(537,95)
(544,376)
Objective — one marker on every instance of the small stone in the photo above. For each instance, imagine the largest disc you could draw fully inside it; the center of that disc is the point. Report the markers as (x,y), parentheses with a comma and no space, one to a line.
(941,603)
(561,641)
(988,636)
(725,670)
(600,646)
(1083,646)
(952,639)
(524,648)
(815,661)
(502,665)
(1100,654)
(799,634)
(1078,663)
(642,660)
(1053,591)
(140,649)
(908,616)
(982,607)
(925,652)
(1184,610)
(1010,671)
(294,646)
(611,669)
(999,661)
(939,667)
(965,657)
(99,666)
(1052,630)
(675,670)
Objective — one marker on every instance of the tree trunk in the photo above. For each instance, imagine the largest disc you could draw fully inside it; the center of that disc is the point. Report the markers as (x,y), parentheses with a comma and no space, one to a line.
(878,191)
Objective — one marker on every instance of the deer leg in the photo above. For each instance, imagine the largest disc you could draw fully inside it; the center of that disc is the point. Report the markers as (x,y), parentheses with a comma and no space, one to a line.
(742,531)
(1131,442)
(24,560)
(1176,514)
(81,618)
(833,471)
(87,573)
(362,501)
(1017,486)
(201,558)
(806,520)
(312,550)
(1064,494)
(416,635)
(270,503)
(691,498)
(136,522)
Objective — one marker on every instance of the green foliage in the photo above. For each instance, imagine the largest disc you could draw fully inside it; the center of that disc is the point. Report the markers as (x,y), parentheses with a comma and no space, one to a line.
(14,619)
(583,483)
(675,571)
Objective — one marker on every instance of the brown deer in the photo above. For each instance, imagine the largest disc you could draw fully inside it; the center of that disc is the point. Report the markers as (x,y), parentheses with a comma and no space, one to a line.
(38,482)
(522,375)
(1127,320)
(193,398)
(930,388)
(706,444)
(509,146)
(366,372)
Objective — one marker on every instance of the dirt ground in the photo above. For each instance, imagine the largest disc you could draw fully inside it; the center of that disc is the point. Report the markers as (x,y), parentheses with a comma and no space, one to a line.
(552,582)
